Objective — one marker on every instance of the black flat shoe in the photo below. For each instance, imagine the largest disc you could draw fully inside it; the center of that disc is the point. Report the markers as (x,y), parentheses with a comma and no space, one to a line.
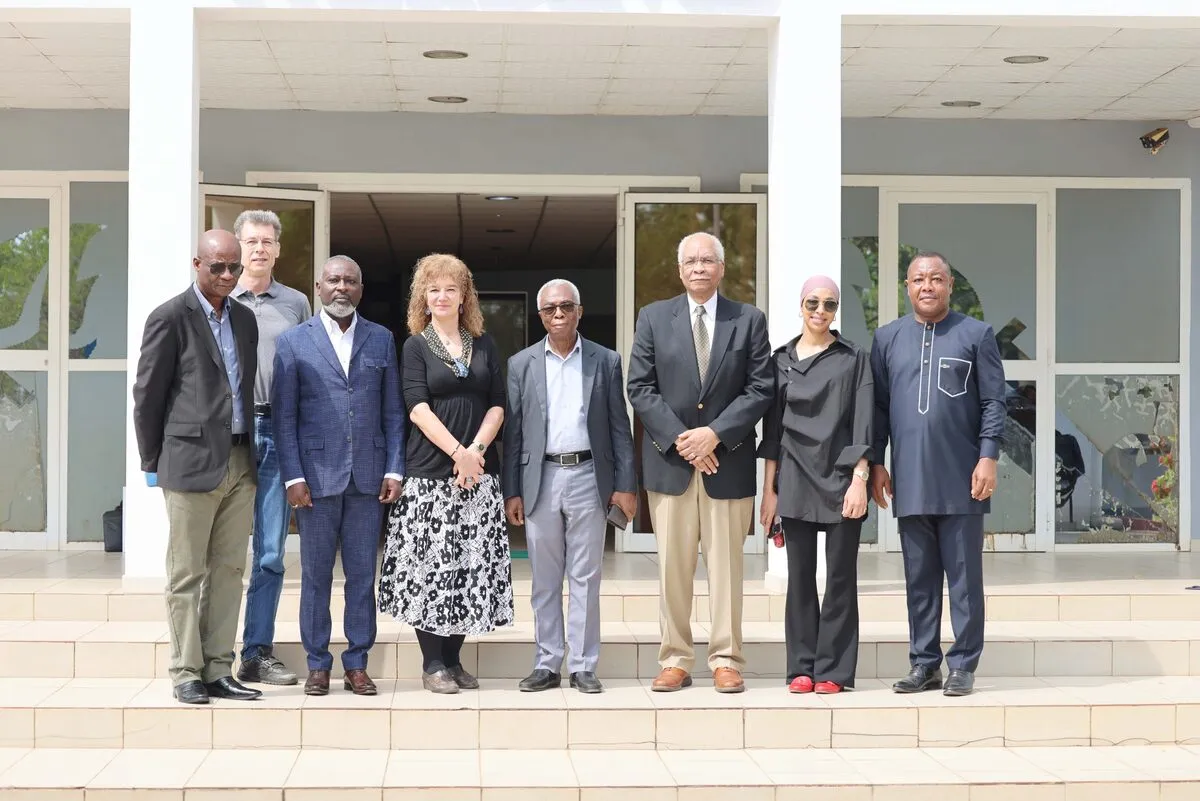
(919,680)
(540,679)
(191,692)
(586,682)
(228,688)
(959,682)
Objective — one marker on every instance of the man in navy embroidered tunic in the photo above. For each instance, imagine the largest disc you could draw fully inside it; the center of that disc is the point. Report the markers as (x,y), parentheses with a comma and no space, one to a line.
(939,397)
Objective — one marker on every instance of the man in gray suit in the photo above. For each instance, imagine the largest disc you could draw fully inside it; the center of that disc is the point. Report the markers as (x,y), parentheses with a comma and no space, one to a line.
(568,458)
(193,413)
(700,379)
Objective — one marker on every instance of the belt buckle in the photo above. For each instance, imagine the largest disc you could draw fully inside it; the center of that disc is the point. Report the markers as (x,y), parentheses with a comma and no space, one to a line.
(569,459)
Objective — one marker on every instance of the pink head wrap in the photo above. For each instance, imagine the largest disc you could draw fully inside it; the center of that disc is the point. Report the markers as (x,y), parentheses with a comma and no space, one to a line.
(820,282)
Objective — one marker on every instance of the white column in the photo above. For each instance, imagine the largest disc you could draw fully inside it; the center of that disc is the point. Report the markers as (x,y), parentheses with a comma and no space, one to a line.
(163,219)
(804,176)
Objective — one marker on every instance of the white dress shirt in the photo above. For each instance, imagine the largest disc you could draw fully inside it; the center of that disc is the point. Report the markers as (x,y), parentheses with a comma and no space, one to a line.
(566,418)
(710,316)
(343,345)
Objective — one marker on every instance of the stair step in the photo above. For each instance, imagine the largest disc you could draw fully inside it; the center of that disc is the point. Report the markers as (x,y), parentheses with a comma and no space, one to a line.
(1014,712)
(1170,773)
(67,649)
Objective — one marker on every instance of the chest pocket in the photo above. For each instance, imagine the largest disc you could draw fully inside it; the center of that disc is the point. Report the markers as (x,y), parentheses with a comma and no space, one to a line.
(953,375)
(372,372)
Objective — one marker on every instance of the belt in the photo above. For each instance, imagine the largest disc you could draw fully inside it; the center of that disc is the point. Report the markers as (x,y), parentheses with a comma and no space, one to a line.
(569,459)
(262,409)
(241,439)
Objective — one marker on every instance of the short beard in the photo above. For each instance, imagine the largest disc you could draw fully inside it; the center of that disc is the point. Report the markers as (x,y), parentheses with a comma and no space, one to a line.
(339,309)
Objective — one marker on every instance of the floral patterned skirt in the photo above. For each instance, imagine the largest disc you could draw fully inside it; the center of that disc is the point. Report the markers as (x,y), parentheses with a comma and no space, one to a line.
(446,566)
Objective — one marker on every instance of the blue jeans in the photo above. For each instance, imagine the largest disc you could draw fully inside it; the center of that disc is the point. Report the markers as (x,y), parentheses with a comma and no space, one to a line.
(271,517)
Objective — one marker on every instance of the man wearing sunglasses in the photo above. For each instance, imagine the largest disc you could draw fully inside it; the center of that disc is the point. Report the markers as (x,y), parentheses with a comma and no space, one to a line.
(193,413)
(568,467)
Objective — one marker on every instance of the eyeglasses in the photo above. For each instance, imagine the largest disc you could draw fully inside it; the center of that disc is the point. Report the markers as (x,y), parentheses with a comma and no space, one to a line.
(830,304)
(219,268)
(706,261)
(266,243)
(566,307)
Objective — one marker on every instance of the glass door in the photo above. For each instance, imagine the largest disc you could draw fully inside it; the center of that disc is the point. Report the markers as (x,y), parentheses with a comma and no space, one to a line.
(997,246)
(31,253)
(651,227)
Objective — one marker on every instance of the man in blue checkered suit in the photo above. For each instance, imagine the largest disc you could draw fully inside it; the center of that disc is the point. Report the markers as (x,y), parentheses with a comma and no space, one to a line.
(339,432)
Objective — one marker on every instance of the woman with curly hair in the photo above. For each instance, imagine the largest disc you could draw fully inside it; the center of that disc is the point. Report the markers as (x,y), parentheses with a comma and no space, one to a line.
(446,569)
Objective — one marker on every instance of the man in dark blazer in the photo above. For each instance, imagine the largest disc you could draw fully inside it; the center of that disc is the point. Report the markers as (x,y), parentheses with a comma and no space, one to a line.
(339,431)
(700,380)
(568,457)
(193,412)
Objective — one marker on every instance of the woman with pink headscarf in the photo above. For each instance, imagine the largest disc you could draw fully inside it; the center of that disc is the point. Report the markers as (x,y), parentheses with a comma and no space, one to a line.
(817,447)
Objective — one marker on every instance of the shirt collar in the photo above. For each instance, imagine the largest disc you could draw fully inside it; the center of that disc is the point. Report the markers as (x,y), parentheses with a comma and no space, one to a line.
(333,329)
(208,307)
(576,349)
(270,291)
(710,307)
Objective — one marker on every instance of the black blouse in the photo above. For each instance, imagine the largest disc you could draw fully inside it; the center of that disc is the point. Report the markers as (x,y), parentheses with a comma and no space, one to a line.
(818,427)
(459,403)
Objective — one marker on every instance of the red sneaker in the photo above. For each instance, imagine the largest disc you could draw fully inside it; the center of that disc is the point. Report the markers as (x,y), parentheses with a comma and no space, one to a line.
(801,684)
(827,687)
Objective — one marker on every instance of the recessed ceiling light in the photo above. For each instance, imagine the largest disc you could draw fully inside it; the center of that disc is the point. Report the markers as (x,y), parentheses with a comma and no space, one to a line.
(447,99)
(444,54)
(1027,59)
(502,197)
(501,231)
(960,103)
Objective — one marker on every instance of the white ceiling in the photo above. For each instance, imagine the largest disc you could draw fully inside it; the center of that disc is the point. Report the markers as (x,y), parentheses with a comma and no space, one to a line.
(1093,73)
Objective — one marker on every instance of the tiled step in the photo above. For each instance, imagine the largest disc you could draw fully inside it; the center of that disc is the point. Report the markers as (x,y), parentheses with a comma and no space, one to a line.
(91,649)
(637,601)
(1012,712)
(985,774)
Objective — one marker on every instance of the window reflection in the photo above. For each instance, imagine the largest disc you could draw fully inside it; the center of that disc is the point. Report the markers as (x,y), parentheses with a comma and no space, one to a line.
(1013,510)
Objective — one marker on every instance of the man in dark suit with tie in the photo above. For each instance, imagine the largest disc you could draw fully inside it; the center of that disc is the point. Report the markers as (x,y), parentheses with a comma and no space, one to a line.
(193,409)
(700,380)
(339,431)
(568,458)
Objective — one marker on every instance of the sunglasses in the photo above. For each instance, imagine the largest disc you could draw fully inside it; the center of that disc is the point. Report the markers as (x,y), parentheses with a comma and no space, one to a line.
(219,268)
(550,308)
(811,304)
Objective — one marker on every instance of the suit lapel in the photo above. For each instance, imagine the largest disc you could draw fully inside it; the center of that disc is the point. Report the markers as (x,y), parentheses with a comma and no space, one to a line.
(722,333)
(539,376)
(590,360)
(246,346)
(316,330)
(683,332)
(199,322)
(362,333)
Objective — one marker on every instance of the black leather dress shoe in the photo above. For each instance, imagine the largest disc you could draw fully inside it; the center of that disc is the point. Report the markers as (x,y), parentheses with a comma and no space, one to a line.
(959,682)
(540,679)
(191,692)
(228,688)
(586,682)
(919,680)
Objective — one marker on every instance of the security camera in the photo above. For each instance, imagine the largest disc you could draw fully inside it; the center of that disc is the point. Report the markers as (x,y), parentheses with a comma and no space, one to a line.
(1155,140)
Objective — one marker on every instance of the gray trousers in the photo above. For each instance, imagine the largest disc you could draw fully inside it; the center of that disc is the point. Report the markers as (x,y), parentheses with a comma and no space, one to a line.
(566,536)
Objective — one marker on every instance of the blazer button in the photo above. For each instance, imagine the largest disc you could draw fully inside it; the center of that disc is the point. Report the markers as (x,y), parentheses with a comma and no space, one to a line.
(348,439)
(699,405)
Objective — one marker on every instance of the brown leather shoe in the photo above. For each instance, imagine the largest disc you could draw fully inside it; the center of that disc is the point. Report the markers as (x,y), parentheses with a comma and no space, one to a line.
(359,683)
(671,679)
(318,683)
(728,680)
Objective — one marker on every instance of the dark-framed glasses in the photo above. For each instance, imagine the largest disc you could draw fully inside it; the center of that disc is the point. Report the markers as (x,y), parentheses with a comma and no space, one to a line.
(219,268)
(566,307)
(812,304)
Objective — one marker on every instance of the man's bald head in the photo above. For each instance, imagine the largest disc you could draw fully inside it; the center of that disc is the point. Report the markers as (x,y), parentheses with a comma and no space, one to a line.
(218,243)
(218,263)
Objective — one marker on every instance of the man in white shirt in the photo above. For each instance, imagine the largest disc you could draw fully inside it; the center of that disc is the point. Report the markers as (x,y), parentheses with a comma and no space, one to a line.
(339,429)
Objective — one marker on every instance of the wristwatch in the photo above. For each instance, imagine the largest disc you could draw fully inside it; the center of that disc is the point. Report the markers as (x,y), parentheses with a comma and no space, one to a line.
(865,475)
(479,446)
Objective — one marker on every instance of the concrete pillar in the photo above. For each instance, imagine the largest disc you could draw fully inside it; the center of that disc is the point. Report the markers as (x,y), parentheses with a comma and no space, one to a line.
(163,221)
(804,176)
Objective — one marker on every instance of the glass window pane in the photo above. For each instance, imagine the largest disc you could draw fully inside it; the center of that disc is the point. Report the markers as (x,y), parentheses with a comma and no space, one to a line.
(95,447)
(657,230)
(294,266)
(1116,442)
(1013,503)
(1117,247)
(24,259)
(992,249)
(23,426)
(99,270)
(859,314)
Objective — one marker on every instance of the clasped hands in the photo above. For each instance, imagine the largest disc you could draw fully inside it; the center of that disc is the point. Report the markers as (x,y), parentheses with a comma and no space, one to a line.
(468,466)
(697,445)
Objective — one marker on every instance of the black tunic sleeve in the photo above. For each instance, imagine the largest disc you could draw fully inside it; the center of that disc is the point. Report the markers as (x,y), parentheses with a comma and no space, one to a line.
(881,424)
(496,390)
(414,374)
(772,439)
(862,419)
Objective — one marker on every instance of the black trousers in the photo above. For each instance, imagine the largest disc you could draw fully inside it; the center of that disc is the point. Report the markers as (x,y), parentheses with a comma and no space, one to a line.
(439,651)
(952,545)
(822,640)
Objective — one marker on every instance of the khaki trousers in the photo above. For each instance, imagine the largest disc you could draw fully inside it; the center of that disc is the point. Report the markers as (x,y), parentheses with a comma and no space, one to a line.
(718,527)
(206,557)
